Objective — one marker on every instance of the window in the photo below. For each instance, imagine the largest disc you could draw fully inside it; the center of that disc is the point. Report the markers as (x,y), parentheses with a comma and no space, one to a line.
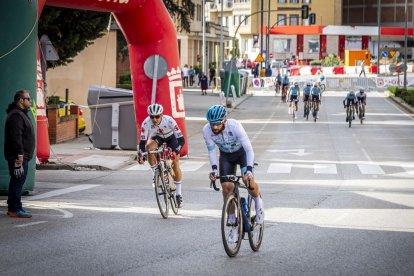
(281,1)
(281,19)
(281,45)
(294,20)
(313,45)
(294,1)
(198,13)
(306,1)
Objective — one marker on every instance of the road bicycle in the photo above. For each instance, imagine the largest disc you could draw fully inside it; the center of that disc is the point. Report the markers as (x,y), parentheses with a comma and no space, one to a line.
(232,232)
(361,112)
(163,182)
(277,88)
(284,93)
(307,109)
(293,105)
(314,110)
(349,114)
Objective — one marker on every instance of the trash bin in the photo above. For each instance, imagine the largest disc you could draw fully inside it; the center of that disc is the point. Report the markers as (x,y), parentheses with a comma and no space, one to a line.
(112,117)
(235,80)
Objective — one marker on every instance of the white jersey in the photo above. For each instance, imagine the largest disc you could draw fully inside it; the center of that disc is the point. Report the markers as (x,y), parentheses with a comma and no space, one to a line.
(231,139)
(166,128)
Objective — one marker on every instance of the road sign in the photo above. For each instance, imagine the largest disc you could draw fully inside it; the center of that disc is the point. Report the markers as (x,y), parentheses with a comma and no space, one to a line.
(393,67)
(384,53)
(259,58)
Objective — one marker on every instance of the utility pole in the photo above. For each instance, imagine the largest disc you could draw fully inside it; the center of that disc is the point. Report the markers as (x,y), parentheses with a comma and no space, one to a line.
(405,43)
(379,35)
(203,48)
(261,33)
(267,36)
(221,38)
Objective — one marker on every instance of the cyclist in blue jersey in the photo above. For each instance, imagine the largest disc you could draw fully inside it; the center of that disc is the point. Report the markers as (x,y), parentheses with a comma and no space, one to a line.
(285,84)
(235,149)
(350,100)
(306,96)
(316,96)
(361,97)
(293,95)
(278,82)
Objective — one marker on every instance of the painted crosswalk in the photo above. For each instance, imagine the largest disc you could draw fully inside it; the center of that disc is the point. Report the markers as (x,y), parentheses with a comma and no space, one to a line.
(323,168)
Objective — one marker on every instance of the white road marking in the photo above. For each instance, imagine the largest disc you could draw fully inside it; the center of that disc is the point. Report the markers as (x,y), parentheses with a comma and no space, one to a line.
(62,191)
(138,167)
(409,170)
(324,169)
(370,169)
(279,168)
(30,224)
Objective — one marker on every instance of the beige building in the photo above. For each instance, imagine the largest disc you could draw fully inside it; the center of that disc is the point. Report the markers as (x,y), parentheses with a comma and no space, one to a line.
(94,65)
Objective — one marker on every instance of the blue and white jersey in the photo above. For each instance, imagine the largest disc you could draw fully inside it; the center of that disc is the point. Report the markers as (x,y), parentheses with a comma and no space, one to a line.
(167,127)
(231,139)
(306,90)
(294,90)
(315,91)
(351,97)
(285,80)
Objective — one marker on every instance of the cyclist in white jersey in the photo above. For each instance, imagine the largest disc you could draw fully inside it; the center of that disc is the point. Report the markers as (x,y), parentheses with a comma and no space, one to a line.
(158,129)
(361,97)
(235,149)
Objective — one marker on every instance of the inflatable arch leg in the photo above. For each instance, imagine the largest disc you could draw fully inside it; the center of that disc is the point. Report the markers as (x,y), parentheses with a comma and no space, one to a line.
(153,51)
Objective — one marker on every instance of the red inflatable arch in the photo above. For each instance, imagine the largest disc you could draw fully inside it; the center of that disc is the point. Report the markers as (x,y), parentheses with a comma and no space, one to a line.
(153,51)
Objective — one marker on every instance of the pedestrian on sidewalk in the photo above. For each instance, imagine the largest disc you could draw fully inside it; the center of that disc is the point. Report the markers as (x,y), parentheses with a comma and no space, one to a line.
(362,69)
(204,84)
(191,72)
(19,144)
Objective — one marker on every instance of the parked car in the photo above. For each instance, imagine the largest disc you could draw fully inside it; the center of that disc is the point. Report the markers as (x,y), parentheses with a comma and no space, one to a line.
(81,120)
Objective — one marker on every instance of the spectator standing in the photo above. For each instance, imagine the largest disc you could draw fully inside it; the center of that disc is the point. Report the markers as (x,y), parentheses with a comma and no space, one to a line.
(185,76)
(191,73)
(362,69)
(268,72)
(212,75)
(204,84)
(19,144)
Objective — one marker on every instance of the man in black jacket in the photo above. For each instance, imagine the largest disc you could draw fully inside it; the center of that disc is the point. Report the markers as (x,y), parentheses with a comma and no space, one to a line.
(19,144)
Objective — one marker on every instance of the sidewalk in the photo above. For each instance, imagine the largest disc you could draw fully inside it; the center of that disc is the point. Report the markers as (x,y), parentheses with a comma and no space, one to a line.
(79,154)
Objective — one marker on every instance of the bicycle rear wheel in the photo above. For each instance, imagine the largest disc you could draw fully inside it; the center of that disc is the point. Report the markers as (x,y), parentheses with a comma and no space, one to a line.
(349,118)
(231,234)
(256,234)
(360,114)
(161,194)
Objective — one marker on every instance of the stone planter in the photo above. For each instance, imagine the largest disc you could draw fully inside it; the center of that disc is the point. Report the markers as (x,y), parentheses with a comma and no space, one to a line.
(64,128)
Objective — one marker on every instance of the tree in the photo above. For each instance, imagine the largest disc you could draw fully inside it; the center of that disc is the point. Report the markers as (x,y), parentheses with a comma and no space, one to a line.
(71,31)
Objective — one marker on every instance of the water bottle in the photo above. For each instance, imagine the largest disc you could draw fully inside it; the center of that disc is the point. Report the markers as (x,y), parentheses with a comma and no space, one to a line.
(246,225)
(244,206)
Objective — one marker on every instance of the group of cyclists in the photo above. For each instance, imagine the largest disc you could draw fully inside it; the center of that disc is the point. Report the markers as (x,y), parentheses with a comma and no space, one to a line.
(228,135)
(312,95)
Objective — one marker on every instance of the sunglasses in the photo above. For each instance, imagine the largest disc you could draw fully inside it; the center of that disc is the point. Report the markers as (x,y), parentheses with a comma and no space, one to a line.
(29,99)
(155,116)
(215,124)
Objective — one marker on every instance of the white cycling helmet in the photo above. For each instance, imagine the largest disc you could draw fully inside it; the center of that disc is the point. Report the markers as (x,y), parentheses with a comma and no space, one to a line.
(295,83)
(361,89)
(315,84)
(154,109)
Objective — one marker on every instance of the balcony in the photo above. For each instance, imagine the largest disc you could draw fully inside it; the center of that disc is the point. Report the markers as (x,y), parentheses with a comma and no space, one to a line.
(229,4)
(213,6)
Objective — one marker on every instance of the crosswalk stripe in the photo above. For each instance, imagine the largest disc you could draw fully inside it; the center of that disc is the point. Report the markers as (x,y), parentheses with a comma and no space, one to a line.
(370,169)
(324,169)
(409,170)
(279,168)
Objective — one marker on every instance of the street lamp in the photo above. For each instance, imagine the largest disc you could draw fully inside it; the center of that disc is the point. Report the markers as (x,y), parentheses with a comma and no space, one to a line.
(204,34)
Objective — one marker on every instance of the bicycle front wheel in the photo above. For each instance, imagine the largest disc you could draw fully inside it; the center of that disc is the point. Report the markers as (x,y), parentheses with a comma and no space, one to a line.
(256,233)
(231,229)
(161,194)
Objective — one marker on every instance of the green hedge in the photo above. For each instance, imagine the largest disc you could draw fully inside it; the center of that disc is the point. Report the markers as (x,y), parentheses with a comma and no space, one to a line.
(124,85)
(407,94)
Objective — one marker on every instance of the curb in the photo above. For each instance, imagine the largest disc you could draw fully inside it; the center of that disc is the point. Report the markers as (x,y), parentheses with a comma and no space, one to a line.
(70,167)
(401,103)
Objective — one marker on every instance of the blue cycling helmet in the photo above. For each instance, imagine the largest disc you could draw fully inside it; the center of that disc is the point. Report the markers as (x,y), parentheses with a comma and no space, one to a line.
(216,113)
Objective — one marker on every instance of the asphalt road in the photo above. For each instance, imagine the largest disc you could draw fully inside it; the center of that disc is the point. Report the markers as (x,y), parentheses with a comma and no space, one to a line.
(338,201)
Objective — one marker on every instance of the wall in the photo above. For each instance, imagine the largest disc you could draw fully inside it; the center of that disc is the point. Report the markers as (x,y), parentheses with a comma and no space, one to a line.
(91,66)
